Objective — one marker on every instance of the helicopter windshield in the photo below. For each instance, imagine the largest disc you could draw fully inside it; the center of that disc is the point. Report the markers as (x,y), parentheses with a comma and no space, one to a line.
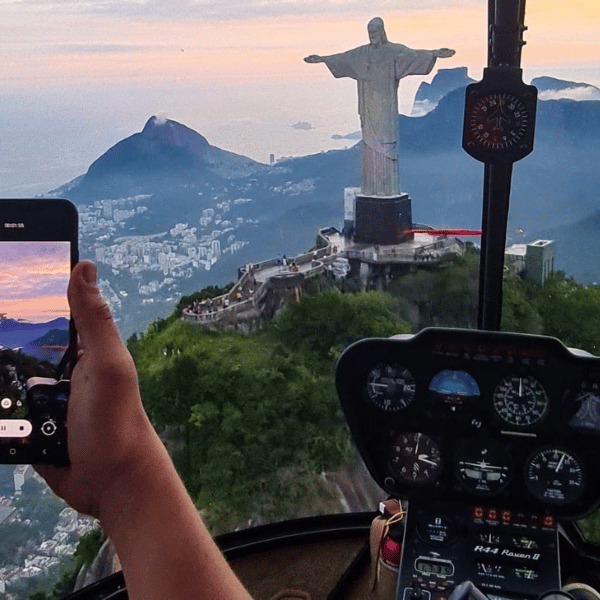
(221,189)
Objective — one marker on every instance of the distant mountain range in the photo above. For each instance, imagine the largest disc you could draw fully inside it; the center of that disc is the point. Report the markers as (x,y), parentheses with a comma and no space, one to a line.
(17,334)
(550,88)
(447,80)
(169,174)
(34,339)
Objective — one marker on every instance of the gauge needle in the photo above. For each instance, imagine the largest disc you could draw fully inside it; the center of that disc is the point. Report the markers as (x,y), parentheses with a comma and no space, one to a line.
(560,462)
(520,387)
(424,458)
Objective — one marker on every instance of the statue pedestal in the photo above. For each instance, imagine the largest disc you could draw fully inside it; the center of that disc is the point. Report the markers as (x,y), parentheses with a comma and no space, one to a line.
(382,220)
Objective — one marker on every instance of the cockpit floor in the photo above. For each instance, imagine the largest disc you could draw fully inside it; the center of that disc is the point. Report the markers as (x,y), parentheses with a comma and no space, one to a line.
(308,571)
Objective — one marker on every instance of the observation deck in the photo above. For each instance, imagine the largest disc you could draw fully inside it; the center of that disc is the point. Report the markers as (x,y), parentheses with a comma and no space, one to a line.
(252,295)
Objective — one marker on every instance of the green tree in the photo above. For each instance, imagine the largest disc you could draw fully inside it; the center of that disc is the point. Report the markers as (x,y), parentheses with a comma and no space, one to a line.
(321,326)
(444,296)
(88,546)
(570,312)
(242,412)
(519,310)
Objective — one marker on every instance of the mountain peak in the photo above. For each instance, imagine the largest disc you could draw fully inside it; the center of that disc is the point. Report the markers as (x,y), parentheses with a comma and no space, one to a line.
(155,121)
(445,81)
(162,156)
(171,133)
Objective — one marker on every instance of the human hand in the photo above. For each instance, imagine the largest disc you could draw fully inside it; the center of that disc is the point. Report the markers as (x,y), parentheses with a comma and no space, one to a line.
(121,473)
(313,58)
(444,52)
(109,434)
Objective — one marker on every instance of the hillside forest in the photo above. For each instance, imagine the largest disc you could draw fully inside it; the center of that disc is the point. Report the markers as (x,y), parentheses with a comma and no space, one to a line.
(252,419)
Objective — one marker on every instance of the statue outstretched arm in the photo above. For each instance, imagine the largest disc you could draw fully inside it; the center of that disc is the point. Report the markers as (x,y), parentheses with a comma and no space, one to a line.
(444,53)
(314,58)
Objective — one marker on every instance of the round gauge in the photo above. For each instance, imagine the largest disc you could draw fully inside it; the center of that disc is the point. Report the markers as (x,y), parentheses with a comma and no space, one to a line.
(498,120)
(454,388)
(520,401)
(483,466)
(391,387)
(555,476)
(587,403)
(416,458)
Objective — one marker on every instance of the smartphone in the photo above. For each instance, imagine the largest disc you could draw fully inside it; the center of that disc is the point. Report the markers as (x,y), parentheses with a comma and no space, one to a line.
(38,248)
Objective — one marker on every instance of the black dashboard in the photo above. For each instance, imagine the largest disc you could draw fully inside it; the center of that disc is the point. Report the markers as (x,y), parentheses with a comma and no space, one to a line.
(477,418)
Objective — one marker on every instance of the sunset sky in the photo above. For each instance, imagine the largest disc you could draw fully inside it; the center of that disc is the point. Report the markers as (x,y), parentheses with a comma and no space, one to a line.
(79,75)
(33,280)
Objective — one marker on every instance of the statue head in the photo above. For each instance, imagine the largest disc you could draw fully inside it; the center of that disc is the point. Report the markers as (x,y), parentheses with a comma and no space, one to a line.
(376,32)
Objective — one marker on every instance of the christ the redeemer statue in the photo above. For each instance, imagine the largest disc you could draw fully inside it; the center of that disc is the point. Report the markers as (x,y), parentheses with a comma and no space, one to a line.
(378,68)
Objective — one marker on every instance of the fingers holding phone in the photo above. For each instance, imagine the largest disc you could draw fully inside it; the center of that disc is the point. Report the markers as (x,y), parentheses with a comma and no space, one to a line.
(38,247)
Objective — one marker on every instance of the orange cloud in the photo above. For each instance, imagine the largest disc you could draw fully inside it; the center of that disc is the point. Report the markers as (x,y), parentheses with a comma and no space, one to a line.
(36,310)
(105,50)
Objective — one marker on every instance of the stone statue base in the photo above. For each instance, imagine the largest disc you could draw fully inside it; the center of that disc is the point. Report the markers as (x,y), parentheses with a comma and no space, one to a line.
(382,220)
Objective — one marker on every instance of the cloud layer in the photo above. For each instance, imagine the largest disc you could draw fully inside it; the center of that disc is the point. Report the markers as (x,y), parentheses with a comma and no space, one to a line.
(235,9)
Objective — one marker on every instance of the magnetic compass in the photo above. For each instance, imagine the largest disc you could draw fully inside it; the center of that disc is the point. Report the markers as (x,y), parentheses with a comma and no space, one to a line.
(499,118)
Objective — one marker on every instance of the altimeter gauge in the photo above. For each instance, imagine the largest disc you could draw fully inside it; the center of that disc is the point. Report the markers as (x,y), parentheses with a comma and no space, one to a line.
(555,475)
(390,387)
(415,458)
(520,401)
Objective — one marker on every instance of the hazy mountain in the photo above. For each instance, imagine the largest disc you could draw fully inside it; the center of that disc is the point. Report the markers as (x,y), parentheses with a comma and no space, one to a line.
(550,88)
(139,162)
(355,135)
(55,337)
(18,334)
(49,347)
(445,81)
(578,247)
(165,213)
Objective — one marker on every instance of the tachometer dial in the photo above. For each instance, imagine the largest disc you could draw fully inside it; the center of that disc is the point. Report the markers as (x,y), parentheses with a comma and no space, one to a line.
(416,458)
(391,387)
(555,475)
(483,466)
(520,401)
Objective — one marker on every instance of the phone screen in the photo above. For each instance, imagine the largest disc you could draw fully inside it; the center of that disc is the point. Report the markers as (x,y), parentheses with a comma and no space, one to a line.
(34,326)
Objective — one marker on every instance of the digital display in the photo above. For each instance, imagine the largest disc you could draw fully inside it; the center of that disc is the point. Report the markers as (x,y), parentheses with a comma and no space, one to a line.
(430,567)
(34,324)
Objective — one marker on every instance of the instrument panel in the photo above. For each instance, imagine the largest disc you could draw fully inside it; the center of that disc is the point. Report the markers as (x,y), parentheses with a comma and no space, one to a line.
(477,417)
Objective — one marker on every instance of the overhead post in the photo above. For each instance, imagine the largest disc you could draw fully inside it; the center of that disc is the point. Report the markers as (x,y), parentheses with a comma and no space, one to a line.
(498,130)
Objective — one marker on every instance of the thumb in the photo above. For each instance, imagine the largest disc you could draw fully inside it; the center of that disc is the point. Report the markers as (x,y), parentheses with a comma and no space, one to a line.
(90,312)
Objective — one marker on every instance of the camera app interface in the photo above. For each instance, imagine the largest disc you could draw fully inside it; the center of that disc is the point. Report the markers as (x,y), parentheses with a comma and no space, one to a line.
(34,332)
